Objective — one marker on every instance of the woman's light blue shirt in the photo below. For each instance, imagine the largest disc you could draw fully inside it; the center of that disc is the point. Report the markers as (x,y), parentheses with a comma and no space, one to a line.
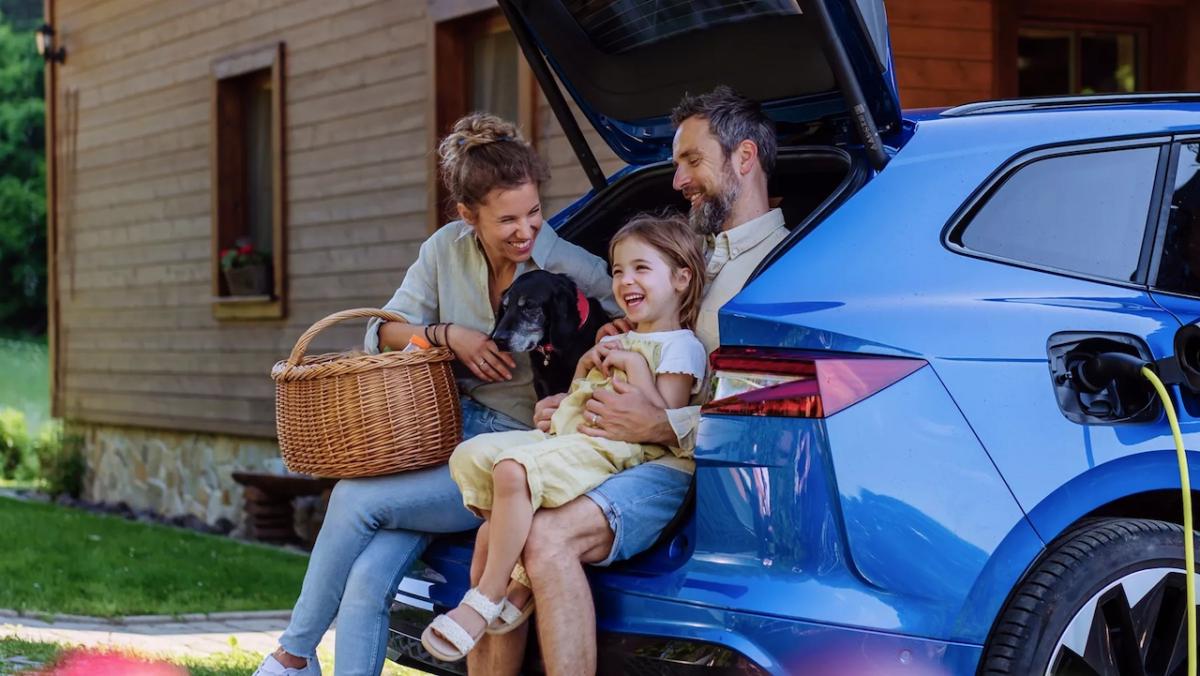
(449,283)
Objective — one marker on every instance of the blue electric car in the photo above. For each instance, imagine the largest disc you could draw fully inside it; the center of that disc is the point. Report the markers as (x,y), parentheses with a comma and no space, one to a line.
(898,472)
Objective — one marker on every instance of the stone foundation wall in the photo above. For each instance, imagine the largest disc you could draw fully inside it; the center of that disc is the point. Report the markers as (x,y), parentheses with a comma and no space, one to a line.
(172,473)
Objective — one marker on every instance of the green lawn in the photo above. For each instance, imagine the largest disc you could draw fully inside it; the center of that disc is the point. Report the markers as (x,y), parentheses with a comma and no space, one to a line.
(40,653)
(25,384)
(236,662)
(59,560)
(233,663)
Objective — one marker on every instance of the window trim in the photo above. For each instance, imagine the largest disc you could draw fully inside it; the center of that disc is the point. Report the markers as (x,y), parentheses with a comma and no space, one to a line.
(235,65)
(1165,213)
(449,30)
(966,213)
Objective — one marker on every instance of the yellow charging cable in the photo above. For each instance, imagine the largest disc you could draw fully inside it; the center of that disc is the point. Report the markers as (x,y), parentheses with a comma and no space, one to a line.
(1189,554)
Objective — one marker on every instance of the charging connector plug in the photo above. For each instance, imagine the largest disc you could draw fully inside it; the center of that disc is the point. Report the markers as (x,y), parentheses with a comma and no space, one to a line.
(1096,373)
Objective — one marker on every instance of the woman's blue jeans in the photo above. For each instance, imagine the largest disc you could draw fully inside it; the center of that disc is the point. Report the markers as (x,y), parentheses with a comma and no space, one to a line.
(374,530)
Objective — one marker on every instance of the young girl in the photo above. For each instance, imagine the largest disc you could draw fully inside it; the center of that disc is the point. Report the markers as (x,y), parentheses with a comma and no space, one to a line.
(658,278)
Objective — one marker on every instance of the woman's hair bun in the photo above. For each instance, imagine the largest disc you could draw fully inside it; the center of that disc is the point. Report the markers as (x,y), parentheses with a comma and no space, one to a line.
(472,131)
(483,152)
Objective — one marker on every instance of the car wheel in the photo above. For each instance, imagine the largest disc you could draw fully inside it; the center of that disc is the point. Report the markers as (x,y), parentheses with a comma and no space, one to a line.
(1106,598)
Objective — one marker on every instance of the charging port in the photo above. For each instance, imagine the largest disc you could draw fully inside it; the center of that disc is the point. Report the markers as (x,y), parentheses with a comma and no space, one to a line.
(1121,400)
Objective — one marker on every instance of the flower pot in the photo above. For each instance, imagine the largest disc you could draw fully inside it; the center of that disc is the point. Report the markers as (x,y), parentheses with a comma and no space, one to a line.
(252,280)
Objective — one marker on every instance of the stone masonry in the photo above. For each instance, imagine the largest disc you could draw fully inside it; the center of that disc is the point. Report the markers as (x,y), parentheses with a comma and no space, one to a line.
(172,473)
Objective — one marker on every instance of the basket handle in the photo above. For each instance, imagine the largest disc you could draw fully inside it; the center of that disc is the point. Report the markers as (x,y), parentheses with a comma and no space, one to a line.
(321,325)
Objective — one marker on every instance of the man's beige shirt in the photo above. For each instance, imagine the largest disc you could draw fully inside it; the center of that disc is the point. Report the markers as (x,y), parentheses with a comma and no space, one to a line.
(732,257)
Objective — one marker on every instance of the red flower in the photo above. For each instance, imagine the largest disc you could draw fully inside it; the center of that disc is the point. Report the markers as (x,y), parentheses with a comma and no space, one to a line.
(246,249)
(225,252)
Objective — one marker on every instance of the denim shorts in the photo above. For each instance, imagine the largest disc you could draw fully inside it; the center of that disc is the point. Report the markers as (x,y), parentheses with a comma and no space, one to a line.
(639,503)
(479,419)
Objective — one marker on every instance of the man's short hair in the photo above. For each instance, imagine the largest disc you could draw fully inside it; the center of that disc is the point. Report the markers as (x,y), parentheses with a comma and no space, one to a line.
(732,118)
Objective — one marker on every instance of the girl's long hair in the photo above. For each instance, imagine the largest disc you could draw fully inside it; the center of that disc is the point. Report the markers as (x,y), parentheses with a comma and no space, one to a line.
(674,238)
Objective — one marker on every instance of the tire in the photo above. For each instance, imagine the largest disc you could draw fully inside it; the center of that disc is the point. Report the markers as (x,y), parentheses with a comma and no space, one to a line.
(1071,614)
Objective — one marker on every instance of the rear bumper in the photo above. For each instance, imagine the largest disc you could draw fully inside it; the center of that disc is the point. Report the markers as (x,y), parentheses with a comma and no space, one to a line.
(686,639)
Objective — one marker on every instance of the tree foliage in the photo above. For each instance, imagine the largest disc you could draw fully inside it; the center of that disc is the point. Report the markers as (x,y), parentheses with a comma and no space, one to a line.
(22,179)
(23,15)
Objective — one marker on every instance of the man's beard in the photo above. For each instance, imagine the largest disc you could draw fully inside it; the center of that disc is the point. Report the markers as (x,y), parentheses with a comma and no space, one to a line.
(708,217)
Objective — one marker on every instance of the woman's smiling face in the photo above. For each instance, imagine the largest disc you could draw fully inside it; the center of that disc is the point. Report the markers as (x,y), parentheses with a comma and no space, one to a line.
(507,222)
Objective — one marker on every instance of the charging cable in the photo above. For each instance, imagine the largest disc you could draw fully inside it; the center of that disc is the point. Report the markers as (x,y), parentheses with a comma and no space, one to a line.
(1093,375)
(1189,554)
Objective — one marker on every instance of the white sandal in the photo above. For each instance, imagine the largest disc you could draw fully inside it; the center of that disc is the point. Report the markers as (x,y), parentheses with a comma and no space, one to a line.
(511,616)
(446,639)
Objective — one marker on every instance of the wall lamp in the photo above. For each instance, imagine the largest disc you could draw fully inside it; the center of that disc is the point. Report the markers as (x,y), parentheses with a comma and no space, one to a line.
(45,45)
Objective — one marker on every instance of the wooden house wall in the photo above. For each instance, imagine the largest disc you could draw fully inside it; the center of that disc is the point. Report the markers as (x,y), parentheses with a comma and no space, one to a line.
(944,50)
(138,341)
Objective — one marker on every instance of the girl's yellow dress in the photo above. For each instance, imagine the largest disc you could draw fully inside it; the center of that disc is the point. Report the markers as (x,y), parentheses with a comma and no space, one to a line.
(563,464)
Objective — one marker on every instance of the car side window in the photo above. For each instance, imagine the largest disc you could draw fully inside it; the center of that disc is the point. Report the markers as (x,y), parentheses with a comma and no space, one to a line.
(1179,270)
(1083,213)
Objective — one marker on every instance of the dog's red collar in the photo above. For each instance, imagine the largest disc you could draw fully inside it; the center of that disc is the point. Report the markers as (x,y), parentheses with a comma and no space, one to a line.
(585,309)
(584,306)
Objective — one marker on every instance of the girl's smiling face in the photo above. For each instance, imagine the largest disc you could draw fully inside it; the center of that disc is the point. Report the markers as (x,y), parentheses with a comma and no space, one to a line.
(507,222)
(646,287)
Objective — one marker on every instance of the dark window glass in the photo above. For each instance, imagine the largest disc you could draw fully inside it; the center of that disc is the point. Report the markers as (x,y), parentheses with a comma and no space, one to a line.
(260,194)
(620,25)
(1052,61)
(1080,213)
(1043,63)
(1179,270)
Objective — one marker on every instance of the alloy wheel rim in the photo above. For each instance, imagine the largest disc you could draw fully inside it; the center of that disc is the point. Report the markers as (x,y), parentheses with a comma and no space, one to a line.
(1135,625)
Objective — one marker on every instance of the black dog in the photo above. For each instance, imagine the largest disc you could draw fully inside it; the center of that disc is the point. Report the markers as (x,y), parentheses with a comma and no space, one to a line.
(545,313)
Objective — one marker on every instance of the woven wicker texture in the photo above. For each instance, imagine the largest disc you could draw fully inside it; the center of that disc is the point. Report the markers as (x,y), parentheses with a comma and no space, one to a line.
(344,416)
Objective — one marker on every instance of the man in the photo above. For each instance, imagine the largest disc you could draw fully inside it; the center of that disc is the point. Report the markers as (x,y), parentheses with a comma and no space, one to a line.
(724,151)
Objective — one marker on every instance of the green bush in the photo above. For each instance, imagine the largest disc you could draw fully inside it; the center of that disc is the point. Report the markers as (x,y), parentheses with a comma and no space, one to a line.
(16,454)
(60,462)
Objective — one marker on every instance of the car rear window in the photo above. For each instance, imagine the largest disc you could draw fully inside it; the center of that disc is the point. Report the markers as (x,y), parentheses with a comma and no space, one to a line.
(626,24)
(1082,213)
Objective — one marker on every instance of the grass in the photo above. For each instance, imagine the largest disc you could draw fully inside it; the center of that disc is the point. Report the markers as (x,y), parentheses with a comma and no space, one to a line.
(233,663)
(237,662)
(25,385)
(40,653)
(60,560)
(18,484)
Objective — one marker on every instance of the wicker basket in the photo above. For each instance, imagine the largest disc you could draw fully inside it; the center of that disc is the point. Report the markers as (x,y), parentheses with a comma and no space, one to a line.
(344,416)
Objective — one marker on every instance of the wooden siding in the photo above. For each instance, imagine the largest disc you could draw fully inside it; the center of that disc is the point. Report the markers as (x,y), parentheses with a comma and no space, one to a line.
(137,340)
(944,50)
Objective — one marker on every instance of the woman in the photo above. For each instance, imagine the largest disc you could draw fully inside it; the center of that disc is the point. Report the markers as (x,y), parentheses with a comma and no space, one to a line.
(375,528)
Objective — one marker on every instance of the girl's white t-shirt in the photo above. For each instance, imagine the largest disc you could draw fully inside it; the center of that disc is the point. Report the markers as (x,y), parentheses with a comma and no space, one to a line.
(682,352)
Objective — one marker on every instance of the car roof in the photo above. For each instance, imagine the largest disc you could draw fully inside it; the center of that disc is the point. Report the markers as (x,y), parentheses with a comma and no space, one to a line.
(1028,123)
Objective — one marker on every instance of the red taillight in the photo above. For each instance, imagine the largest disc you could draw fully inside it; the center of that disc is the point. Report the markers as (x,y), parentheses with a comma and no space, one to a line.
(765,382)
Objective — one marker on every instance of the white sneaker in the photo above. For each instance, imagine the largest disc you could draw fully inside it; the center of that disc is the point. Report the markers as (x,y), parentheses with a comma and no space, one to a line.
(271,667)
